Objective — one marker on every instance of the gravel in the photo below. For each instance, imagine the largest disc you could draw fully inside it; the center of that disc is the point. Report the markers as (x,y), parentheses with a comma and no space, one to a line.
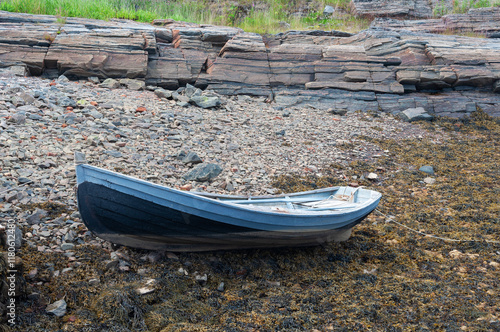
(245,142)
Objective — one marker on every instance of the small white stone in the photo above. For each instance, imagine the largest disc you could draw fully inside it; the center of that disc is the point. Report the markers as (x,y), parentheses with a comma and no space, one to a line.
(57,308)
(145,290)
(429,180)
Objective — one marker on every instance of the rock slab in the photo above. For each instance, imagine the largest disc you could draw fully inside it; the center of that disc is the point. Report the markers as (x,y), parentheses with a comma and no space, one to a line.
(203,172)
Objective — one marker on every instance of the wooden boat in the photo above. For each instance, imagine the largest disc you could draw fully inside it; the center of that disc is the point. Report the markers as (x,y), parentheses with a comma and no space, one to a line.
(141,214)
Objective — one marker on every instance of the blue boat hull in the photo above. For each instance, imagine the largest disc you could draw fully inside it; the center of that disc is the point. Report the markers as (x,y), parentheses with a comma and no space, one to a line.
(125,211)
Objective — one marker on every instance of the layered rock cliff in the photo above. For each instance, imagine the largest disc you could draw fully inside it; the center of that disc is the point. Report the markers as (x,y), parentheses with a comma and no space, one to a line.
(389,69)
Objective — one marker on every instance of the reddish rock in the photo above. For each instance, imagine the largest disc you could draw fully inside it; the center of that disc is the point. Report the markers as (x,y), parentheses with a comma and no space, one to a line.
(483,21)
(374,8)
(186,187)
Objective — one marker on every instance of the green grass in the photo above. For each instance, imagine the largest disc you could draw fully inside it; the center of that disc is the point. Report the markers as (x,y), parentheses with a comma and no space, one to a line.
(265,16)
(463,6)
(144,11)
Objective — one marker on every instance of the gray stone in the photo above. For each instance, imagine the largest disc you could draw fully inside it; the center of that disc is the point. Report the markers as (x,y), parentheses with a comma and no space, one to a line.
(201,279)
(340,112)
(69,118)
(182,103)
(18,238)
(28,99)
(203,172)
(112,153)
(70,236)
(427,169)
(205,102)
(181,155)
(132,84)
(162,93)
(67,246)
(17,101)
(57,308)
(190,91)
(47,164)
(23,180)
(329,10)
(415,114)
(62,79)
(18,119)
(496,86)
(192,158)
(20,70)
(177,96)
(96,114)
(111,264)
(45,233)
(229,186)
(65,102)
(220,288)
(35,117)
(80,158)
(94,79)
(110,84)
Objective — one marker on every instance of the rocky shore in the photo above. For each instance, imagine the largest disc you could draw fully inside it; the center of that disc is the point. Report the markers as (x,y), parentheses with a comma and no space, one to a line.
(386,68)
(211,109)
(75,281)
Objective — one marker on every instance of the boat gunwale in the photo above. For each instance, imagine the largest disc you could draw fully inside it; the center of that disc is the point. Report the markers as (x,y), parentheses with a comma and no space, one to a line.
(228,205)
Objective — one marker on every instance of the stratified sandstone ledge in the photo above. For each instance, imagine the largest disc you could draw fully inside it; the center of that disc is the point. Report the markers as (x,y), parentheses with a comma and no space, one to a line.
(393,8)
(378,69)
(481,21)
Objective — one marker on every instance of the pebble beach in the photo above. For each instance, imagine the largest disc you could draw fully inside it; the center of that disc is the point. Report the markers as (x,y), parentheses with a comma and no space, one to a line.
(259,148)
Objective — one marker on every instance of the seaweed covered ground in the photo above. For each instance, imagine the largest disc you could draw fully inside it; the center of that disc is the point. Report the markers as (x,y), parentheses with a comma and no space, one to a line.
(384,278)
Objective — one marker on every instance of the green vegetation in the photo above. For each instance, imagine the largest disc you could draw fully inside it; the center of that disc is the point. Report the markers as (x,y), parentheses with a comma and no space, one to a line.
(462,6)
(265,16)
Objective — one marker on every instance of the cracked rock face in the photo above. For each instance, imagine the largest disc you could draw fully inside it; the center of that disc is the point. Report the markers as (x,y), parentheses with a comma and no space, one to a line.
(389,69)
(483,21)
(413,8)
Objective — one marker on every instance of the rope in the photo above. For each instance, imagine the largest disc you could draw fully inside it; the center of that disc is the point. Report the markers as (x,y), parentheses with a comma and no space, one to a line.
(392,219)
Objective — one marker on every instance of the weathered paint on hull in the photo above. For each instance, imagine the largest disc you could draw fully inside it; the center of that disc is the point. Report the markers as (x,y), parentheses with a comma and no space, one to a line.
(125,219)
